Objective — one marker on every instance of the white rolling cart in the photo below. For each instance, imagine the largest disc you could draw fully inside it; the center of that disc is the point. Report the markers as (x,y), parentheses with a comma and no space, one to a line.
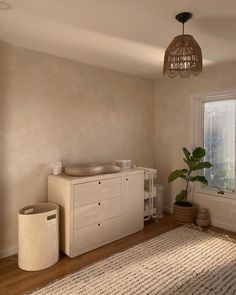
(150,204)
(153,195)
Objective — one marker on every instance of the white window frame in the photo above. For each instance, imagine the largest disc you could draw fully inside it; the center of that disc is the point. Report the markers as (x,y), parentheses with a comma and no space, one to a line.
(198,111)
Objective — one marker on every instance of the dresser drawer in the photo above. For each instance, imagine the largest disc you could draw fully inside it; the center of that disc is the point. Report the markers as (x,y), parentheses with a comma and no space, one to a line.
(94,234)
(95,191)
(96,212)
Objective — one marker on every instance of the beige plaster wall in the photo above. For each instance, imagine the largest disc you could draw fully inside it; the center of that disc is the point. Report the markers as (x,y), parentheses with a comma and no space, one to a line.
(53,108)
(174,130)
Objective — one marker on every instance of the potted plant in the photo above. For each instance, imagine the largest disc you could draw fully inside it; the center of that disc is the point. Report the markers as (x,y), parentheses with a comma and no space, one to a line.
(183,209)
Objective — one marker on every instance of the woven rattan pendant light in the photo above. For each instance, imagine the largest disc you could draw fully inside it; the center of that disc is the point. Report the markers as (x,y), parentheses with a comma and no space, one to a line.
(183,56)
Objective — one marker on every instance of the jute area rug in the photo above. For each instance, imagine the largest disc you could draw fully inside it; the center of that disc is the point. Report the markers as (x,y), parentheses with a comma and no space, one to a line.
(181,261)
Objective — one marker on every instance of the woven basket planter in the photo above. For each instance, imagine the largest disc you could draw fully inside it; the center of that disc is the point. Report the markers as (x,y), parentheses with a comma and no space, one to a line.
(183,215)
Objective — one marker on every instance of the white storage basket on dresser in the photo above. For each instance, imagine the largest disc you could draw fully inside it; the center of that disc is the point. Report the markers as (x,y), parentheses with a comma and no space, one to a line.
(38,236)
(97,210)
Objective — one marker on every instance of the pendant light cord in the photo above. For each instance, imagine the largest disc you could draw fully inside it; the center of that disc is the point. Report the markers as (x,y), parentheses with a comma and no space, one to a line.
(183,28)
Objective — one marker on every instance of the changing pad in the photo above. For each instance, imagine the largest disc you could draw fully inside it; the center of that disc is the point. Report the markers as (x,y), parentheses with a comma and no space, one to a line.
(90,169)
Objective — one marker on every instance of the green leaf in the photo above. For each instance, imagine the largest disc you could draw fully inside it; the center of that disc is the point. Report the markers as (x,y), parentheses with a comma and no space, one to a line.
(188,162)
(177,173)
(186,152)
(193,159)
(203,165)
(181,196)
(199,153)
(201,179)
(191,164)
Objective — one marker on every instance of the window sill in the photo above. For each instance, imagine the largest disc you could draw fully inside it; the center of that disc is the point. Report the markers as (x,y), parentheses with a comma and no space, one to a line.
(214,196)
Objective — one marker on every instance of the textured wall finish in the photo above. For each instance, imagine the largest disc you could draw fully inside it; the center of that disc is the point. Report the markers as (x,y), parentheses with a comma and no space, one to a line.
(174,130)
(53,108)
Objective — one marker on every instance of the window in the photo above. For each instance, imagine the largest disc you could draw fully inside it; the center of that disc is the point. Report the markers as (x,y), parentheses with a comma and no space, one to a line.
(215,121)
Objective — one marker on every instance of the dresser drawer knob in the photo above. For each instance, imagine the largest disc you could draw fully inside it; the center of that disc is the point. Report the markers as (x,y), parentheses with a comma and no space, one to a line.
(98,224)
(99,203)
(126,179)
(99,182)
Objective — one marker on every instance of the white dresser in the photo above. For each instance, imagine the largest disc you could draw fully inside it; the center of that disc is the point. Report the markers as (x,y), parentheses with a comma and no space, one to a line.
(97,210)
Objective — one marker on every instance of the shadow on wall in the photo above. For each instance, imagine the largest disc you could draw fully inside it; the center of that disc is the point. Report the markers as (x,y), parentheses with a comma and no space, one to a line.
(14,177)
(218,26)
(219,32)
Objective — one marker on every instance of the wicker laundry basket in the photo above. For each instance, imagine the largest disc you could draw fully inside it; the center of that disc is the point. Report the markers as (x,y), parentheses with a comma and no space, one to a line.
(38,236)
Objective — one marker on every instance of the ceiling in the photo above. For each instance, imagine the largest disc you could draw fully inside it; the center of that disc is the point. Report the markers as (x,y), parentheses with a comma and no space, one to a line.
(124,35)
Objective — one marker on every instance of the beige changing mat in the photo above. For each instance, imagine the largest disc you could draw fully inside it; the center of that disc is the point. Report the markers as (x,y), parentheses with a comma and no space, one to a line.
(90,169)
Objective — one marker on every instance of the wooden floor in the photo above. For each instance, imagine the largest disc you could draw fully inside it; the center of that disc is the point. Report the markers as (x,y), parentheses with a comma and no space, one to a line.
(16,281)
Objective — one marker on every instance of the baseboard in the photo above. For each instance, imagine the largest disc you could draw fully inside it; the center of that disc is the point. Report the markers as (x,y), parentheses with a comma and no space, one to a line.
(7,252)
(168,209)
(223,225)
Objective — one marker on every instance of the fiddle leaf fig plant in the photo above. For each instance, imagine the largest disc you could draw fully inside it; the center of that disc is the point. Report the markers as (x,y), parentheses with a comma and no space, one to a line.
(194,163)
